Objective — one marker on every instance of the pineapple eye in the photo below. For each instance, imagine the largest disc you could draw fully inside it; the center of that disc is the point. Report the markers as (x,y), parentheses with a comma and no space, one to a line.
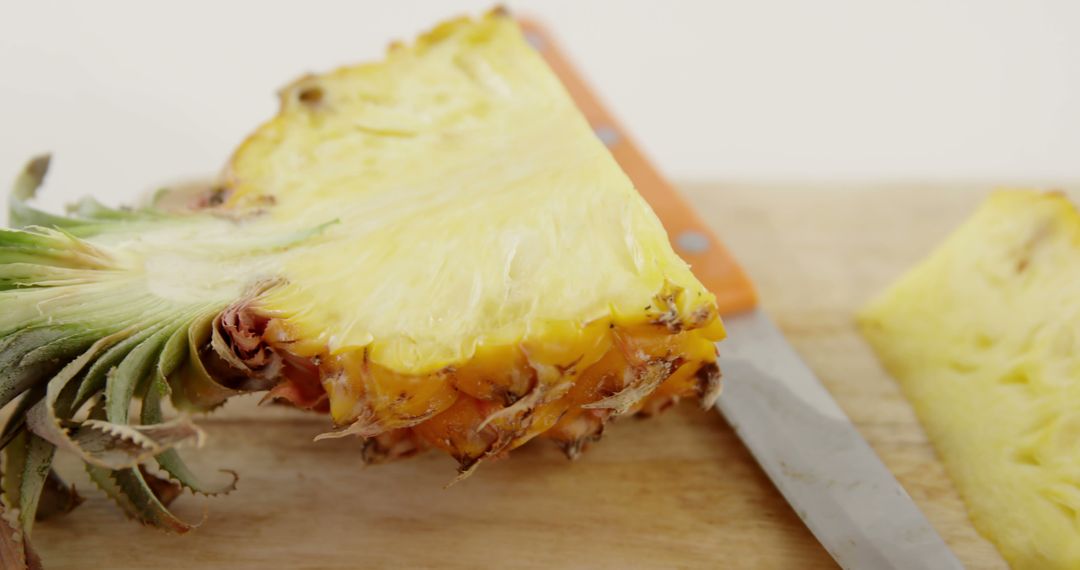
(310,96)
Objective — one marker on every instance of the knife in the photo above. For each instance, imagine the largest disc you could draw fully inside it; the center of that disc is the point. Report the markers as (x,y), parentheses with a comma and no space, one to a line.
(794,429)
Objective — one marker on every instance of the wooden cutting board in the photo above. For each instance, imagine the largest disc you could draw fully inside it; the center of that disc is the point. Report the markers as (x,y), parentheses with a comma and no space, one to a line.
(677,491)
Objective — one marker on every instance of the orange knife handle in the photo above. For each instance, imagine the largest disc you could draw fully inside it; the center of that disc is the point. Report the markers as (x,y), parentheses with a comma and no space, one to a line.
(692,239)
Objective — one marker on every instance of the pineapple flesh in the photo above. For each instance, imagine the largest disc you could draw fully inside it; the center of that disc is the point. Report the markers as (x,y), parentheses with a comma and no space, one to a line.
(434,249)
(984,337)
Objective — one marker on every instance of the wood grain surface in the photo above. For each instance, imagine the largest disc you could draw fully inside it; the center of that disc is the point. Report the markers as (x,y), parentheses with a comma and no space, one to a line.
(678,491)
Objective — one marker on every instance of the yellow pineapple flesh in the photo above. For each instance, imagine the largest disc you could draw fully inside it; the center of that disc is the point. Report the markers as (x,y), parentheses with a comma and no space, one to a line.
(984,337)
(491,253)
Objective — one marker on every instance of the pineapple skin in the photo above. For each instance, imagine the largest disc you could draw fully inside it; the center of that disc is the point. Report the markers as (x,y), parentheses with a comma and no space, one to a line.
(984,338)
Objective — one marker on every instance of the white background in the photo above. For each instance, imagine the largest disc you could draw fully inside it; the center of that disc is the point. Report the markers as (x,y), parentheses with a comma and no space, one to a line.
(130,94)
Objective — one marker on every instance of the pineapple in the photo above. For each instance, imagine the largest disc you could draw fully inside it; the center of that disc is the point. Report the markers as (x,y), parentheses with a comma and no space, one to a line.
(984,337)
(435,250)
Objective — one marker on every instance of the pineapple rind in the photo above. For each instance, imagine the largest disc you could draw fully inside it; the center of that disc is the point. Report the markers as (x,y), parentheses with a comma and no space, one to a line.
(984,336)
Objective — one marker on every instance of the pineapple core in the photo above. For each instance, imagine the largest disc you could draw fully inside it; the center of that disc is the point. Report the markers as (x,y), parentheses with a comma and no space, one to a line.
(435,249)
(984,337)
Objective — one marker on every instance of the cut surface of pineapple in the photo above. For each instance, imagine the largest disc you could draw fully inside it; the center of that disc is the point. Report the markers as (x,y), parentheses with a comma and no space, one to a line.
(435,249)
(460,169)
(984,337)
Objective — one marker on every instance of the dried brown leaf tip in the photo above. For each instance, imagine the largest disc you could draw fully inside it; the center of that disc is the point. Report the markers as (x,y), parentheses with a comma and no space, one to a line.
(15,550)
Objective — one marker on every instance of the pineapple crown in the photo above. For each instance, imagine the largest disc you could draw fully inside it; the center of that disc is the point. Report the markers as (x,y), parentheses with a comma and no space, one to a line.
(82,339)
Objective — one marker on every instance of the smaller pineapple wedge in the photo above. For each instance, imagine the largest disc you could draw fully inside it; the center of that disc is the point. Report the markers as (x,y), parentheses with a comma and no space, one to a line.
(984,337)
(434,249)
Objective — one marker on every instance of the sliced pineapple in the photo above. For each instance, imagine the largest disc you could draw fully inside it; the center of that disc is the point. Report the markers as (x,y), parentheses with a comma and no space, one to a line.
(434,249)
(984,337)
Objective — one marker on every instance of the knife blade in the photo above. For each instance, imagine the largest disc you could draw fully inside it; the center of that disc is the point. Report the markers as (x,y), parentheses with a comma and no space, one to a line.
(816,458)
(810,450)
